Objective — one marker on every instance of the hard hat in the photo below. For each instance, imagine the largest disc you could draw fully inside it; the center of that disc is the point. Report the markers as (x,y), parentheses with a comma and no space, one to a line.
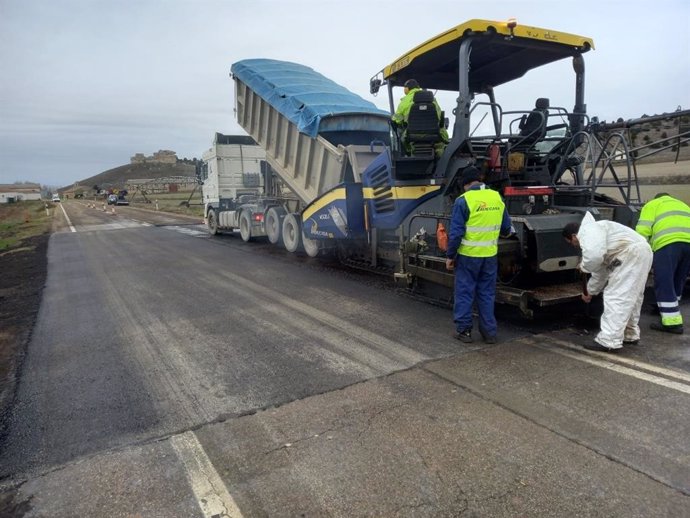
(469,175)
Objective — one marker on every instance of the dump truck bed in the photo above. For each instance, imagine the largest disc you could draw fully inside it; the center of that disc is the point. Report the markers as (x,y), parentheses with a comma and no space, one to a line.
(316,133)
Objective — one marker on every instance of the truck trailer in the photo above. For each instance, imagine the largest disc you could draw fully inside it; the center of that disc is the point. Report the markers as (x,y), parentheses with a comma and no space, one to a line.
(340,178)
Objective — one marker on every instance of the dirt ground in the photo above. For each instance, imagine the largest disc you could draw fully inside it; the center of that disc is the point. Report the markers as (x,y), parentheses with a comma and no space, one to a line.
(21,284)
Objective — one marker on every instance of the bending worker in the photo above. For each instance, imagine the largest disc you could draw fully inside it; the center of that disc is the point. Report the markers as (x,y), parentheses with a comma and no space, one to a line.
(619,260)
(665,222)
(479,216)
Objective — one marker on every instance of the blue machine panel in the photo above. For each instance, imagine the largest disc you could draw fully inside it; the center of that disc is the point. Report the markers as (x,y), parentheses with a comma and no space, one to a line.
(338,214)
(388,201)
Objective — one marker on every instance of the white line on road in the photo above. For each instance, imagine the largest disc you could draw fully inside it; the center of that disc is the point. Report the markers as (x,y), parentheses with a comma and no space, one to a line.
(189,231)
(210,491)
(68,220)
(669,373)
(606,364)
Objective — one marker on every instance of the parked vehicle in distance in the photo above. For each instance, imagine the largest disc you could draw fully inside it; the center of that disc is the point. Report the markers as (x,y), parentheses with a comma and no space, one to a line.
(56,198)
(114,199)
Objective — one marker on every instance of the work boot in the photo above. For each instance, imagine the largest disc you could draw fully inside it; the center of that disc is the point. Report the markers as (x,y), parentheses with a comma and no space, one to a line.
(488,339)
(631,342)
(464,336)
(596,346)
(676,330)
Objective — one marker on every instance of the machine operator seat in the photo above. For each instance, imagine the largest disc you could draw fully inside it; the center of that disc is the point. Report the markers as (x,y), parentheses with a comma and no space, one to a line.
(532,126)
(423,129)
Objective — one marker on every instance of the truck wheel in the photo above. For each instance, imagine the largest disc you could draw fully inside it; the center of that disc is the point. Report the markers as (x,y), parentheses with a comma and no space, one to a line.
(246,227)
(274,224)
(212,222)
(311,246)
(292,232)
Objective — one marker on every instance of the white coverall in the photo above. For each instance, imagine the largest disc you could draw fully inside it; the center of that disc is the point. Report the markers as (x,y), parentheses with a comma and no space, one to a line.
(616,254)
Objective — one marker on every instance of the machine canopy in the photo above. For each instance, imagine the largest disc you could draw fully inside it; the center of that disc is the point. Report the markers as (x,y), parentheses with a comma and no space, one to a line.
(501,52)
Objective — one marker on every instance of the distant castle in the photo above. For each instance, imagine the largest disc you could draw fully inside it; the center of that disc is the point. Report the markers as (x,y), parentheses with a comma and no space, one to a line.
(162,156)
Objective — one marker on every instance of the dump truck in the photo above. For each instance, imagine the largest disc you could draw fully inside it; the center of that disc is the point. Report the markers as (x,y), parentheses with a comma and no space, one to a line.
(316,135)
(344,181)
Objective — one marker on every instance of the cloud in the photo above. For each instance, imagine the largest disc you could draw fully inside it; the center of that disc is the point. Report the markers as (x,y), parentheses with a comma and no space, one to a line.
(86,84)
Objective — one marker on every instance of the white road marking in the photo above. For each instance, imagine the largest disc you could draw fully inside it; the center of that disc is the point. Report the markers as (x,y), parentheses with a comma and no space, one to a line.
(669,373)
(186,230)
(610,365)
(119,225)
(142,223)
(210,491)
(71,227)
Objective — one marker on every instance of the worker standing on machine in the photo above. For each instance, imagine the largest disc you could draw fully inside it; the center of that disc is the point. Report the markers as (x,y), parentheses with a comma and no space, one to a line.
(479,217)
(665,223)
(619,260)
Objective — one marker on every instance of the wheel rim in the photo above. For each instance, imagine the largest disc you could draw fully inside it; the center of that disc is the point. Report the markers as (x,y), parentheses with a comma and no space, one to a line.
(291,232)
(245,228)
(311,246)
(212,223)
(273,226)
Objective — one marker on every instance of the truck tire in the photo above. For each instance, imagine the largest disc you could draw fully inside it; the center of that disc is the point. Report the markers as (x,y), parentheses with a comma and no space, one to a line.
(311,246)
(212,222)
(292,232)
(274,224)
(246,226)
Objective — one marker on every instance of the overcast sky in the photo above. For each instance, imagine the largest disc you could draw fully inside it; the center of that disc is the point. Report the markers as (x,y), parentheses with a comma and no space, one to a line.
(86,84)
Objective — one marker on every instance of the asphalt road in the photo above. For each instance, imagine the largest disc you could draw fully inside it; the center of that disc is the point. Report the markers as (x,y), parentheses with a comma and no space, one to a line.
(175,374)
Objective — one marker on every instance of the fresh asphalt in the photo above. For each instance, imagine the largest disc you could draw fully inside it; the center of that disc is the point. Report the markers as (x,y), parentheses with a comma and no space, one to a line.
(174,374)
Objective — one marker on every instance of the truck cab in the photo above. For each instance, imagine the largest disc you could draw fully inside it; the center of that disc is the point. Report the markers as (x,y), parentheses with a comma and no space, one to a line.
(231,178)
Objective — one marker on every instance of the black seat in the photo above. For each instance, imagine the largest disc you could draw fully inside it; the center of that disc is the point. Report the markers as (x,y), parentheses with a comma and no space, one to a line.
(532,126)
(423,129)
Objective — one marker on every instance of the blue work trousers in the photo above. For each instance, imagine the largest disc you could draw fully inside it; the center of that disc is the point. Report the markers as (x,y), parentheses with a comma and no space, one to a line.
(475,278)
(671,268)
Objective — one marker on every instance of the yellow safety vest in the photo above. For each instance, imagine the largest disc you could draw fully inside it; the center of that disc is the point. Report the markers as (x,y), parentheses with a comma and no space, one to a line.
(484,224)
(663,221)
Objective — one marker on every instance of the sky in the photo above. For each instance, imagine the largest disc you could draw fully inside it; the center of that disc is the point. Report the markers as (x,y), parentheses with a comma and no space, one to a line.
(86,84)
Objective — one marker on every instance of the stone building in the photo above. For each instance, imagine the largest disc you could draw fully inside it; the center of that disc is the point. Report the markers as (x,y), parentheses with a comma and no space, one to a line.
(162,156)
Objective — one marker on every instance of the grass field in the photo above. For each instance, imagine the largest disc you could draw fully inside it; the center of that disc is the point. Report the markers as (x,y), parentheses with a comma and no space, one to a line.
(172,202)
(166,202)
(21,221)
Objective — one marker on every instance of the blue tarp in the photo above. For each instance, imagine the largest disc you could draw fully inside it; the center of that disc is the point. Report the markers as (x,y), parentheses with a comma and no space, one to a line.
(301,94)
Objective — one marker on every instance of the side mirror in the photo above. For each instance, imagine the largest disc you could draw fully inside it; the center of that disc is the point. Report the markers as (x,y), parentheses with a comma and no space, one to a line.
(374,85)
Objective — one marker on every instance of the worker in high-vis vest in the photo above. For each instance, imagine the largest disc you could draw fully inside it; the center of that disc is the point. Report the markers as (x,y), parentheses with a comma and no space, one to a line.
(479,217)
(619,260)
(402,113)
(665,223)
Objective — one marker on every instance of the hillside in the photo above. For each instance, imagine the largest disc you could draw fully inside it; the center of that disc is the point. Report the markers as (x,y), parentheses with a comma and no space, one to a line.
(118,176)
(650,135)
